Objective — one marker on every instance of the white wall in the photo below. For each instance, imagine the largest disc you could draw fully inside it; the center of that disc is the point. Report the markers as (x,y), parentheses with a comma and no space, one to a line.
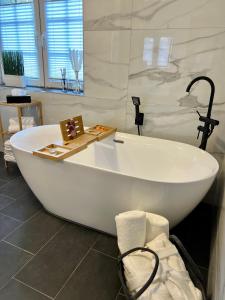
(115,39)
(217,264)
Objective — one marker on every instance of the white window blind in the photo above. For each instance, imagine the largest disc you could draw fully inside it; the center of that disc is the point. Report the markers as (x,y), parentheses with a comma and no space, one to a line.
(17,32)
(64,31)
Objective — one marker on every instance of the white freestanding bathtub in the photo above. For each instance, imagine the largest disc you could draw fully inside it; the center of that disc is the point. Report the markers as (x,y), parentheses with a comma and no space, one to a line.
(107,178)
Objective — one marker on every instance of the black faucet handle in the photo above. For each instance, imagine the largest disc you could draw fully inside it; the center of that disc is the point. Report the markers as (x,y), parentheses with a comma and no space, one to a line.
(202,118)
(198,113)
(202,129)
(207,120)
(214,122)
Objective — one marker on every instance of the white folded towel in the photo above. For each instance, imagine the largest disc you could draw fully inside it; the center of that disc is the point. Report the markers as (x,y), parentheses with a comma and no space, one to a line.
(27,122)
(155,225)
(10,158)
(131,230)
(8,152)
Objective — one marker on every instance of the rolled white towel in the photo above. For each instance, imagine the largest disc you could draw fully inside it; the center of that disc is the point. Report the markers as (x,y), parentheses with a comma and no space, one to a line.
(131,230)
(155,225)
(7,146)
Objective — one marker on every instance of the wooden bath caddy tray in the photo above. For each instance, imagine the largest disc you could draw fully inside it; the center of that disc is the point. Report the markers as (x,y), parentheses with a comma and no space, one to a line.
(75,139)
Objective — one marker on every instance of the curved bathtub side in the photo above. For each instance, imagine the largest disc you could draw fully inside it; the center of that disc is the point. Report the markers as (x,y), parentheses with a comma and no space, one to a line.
(93,197)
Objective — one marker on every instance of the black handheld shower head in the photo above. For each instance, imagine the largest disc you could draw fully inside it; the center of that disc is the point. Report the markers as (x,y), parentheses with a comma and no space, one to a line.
(139,117)
(136,101)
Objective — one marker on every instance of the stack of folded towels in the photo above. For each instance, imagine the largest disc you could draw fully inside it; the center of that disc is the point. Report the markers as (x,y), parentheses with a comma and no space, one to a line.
(14,127)
(8,152)
(172,281)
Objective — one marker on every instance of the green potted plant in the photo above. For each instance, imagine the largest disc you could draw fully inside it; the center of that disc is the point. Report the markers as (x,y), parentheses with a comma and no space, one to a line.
(13,66)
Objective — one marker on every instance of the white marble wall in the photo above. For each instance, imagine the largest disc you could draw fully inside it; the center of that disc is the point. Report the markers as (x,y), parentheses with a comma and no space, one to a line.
(127,43)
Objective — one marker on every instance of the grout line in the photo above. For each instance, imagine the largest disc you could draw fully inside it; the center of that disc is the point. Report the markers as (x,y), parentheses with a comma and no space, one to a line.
(13,201)
(107,255)
(3,194)
(32,257)
(11,217)
(21,282)
(17,247)
(38,251)
(77,266)
(6,182)
(22,223)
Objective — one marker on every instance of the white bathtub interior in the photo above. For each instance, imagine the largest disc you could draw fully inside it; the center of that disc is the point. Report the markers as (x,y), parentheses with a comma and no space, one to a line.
(145,158)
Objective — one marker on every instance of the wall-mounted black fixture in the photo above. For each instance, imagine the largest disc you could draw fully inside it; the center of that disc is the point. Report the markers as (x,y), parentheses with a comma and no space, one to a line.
(139,117)
(210,123)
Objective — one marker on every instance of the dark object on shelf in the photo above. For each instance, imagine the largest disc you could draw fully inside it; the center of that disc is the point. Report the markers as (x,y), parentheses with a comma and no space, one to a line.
(139,117)
(210,123)
(18,99)
(194,272)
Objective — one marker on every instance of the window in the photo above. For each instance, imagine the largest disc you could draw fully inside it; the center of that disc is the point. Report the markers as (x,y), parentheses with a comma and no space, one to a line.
(45,31)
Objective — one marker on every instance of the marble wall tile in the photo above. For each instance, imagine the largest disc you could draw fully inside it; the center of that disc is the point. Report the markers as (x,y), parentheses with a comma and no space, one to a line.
(177,123)
(178,14)
(57,107)
(106,63)
(107,14)
(163,62)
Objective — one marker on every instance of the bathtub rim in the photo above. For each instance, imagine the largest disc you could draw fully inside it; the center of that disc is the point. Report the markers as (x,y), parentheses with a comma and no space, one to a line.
(67,160)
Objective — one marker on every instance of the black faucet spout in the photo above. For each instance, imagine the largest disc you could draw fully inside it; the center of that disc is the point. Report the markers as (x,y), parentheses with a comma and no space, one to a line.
(209,80)
(208,128)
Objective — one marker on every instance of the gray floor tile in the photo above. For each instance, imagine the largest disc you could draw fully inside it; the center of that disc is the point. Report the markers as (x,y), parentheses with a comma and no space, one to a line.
(5,201)
(10,173)
(50,268)
(17,291)
(2,183)
(108,245)
(7,225)
(15,188)
(23,208)
(36,232)
(95,279)
(120,297)
(11,260)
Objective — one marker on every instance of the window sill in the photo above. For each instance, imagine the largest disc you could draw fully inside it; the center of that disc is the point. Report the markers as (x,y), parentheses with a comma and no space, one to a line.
(46,90)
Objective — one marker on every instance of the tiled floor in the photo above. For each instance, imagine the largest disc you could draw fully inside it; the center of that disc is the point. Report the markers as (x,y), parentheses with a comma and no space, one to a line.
(43,257)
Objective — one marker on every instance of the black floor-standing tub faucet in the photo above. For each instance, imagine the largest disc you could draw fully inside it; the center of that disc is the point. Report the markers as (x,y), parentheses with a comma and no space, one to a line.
(210,123)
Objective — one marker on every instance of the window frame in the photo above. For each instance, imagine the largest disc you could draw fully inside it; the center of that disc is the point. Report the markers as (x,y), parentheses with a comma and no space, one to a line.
(42,50)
